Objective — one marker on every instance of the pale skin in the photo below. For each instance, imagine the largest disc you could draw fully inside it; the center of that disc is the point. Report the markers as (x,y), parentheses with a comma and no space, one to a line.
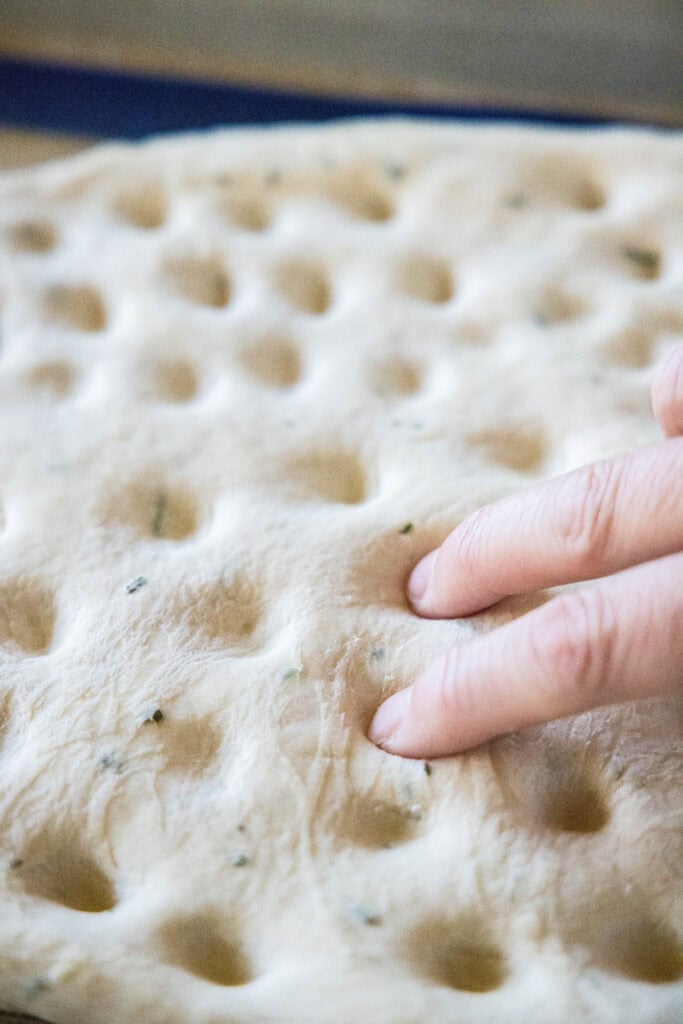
(619,522)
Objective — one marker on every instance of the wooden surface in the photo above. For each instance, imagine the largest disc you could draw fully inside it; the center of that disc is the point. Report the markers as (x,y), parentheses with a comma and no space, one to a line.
(575,56)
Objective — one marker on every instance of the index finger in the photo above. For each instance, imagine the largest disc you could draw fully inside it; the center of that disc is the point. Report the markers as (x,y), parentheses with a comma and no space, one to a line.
(618,640)
(591,522)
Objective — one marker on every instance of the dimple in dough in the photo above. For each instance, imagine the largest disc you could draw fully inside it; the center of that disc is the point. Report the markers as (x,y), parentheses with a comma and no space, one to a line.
(247,379)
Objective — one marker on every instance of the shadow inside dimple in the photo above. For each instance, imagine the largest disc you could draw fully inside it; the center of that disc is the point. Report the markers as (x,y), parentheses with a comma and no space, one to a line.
(275,362)
(55,377)
(334,476)
(154,510)
(522,450)
(54,868)
(27,616)
(77,306)
(197,944)
(33,236)
(426,278)
(143,207)
(202,281)
(226,612)
(174,380)
(461,955)
(645,950)
(305,286)
(553,784)
(395,376)
(377,824)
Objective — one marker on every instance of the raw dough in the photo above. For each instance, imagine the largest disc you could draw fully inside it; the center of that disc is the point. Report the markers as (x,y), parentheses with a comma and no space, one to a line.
(246,380)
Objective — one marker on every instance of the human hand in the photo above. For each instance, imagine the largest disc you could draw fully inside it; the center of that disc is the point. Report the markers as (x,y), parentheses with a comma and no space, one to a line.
(618,640)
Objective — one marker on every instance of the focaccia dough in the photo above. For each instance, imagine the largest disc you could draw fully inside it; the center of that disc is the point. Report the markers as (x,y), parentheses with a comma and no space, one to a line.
(246,380)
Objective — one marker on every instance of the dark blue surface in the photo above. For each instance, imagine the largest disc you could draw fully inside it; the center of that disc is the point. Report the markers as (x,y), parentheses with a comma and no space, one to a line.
(114,104)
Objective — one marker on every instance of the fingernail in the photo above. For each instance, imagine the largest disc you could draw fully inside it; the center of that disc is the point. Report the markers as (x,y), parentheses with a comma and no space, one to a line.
(389,717)
(420,577)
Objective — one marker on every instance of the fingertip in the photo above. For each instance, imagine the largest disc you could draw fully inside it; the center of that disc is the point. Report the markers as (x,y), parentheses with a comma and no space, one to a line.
(420,579)
(439,715)
(389,718)
(415,723)
(667,392)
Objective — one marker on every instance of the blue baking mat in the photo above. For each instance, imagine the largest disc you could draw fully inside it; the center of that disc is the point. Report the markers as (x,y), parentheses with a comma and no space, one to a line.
(116,104)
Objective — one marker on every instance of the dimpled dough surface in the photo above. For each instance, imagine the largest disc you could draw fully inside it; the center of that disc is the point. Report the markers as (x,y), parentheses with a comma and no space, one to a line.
(246,380)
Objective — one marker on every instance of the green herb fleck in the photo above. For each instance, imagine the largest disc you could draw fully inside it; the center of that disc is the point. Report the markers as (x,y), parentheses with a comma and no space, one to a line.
(377,653)
(408,528)
(291,673)
(156,716)
(273,177)
(395,170)
(133,585)
(240,860)
(241,827)
(110,762)
(36,986)
(367,915)
(644,260)
(16,863)
(427,768)
(159,517)
(516,201)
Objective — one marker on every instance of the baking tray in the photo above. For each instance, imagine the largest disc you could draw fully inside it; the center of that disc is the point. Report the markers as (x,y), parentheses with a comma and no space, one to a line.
(620,60)
(108,103)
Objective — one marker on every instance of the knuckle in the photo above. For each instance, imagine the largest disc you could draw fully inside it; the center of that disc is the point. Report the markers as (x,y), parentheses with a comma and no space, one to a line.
(586,516)
(467,542)
(572,645)
(451,697)
(443,707)
(444,694)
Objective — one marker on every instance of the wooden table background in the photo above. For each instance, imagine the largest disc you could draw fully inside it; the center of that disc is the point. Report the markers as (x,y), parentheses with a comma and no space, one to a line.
(619,59)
